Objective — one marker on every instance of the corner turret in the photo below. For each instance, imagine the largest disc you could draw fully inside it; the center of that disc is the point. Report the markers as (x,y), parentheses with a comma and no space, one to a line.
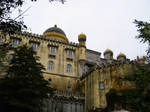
(121,57)
(82,40)
(108,54)
(82,52)
(82,46)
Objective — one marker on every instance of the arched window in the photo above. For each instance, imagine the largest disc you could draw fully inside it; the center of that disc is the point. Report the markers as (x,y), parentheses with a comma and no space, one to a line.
(69,68)
(50,65)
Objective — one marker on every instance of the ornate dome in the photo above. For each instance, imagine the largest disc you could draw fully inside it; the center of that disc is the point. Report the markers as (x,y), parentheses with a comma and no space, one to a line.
(56,33)
(121,54)
(108,51)
(82,37)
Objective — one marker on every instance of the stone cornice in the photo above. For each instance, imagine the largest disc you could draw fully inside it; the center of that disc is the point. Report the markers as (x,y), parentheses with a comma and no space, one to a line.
(62,75)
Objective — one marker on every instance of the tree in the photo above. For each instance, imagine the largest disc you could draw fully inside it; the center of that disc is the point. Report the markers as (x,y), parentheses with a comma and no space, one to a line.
(144,34)
(23,88)
(9,24)
(3,57)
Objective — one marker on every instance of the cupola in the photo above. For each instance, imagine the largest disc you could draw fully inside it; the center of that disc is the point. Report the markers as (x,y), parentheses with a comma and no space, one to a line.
(121,57)
(108,54)
(55,33)
(82,39)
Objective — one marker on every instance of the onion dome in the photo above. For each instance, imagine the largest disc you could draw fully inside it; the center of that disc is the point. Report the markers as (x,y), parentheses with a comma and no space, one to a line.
(82,37)
(108,51)
(55,33)
(121,55)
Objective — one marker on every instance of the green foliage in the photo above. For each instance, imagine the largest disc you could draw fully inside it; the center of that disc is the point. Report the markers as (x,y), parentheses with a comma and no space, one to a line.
(144,31)
(137,99)
(7,23)
(141,77)
(3,53)
(93,111)
(144,35)
(123,99)
(24,89)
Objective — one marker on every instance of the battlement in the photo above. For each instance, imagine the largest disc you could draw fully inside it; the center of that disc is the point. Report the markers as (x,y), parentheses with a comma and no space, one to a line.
(70,94)
(37,36)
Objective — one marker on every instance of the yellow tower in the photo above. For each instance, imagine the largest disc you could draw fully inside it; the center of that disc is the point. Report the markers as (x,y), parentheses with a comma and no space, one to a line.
(82,51)
(82,46)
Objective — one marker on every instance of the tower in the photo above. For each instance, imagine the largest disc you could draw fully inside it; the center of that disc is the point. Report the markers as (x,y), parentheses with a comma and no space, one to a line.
(82,52)
(108,54)
(121,57)
(82,46)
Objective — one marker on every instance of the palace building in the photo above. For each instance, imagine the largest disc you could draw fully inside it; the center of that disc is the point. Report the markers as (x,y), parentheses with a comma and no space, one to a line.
(80,76)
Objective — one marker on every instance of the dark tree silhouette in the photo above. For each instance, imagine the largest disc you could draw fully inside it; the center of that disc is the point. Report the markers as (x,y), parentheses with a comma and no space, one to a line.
(23,88)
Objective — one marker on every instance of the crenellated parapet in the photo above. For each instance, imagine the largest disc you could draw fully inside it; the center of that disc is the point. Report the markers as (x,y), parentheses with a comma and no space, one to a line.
(101,78)
(37,36)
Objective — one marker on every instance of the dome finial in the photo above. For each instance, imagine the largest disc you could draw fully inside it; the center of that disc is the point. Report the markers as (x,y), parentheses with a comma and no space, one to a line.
(55,26)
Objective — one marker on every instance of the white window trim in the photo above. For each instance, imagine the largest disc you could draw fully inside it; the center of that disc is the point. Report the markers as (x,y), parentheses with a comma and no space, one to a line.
(101,85)
(14,42)
(69,68)
(70,54)
(52,50)
(51,65)
(34,46)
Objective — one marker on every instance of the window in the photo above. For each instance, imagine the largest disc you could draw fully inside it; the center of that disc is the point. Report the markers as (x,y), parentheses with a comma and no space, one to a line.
(14,42)
(101,85)
(70,54)
(50,65)
(34,46)
(69,68)
(52,50)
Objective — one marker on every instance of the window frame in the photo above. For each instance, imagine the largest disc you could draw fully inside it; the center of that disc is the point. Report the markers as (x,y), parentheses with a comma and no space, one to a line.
(70,54)
(52,50)
(69,68)
(101,85)
(35,48)
(15,42)
(51,65)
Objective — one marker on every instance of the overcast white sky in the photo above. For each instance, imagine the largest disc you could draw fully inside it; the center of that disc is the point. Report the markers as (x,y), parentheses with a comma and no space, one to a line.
(107,23)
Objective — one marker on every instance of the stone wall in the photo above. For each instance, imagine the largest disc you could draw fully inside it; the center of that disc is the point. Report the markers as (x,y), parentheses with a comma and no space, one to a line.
(64,101)
(101,80)
(56,105)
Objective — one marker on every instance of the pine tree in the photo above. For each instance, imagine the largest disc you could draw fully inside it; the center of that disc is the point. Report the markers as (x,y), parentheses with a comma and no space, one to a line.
(24,88)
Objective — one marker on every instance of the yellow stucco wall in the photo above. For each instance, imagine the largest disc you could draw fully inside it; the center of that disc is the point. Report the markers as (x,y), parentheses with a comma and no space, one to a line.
(60,79)
(95,98)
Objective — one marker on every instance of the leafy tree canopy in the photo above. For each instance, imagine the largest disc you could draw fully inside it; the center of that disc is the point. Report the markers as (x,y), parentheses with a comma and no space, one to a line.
(144,34)
(9,24)
(24,89)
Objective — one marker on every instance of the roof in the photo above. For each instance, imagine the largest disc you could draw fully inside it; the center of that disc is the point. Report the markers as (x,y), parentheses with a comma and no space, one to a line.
(55,29)
(55,33)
